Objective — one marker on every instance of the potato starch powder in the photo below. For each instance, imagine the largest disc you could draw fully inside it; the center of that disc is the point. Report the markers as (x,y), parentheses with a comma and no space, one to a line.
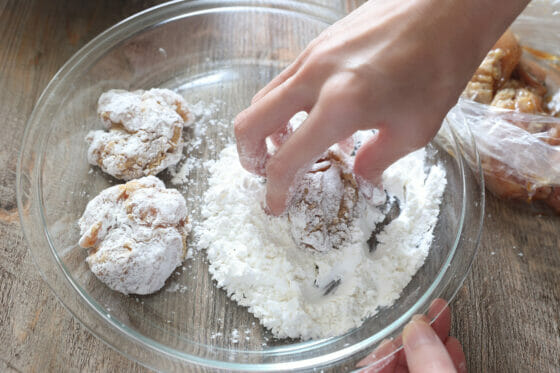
(254,258)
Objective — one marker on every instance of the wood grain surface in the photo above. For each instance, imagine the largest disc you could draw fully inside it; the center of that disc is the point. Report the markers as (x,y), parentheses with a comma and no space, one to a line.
(507,314)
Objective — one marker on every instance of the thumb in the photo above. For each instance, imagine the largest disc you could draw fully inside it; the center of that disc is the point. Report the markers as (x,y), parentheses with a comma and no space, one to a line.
(424,350)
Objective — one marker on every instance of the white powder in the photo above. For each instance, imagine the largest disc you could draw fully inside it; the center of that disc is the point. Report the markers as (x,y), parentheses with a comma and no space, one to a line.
(176,287)
(181,174)
(235,336)
(204,118)
(253,257)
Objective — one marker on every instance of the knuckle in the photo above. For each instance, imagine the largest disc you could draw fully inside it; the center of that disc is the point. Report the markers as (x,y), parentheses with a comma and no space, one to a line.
(356,86)
(316,42)
(318,63)
(298,89)
(347,87)
(311,46)
(319,58)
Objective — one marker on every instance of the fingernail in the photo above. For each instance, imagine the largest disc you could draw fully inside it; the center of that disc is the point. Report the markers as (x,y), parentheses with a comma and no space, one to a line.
(418,332)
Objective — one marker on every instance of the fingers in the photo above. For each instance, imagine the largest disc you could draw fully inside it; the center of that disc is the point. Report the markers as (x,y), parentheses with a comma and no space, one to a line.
(424,350)
(382,360)
(378,153)
(456,353)
(439,314)
(439,317)
(254,124)
(419,337)
(423,341)
(297,154)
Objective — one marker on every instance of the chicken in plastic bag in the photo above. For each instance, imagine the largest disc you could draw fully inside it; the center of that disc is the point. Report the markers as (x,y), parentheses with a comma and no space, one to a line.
(512,108)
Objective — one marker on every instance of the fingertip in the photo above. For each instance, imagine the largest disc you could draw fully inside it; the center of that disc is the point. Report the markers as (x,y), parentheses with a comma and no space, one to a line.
(277,186)
(364,168)
(423,348)
(417,333)
(253,157)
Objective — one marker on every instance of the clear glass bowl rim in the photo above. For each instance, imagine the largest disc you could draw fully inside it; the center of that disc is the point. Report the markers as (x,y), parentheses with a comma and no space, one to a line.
(155,352)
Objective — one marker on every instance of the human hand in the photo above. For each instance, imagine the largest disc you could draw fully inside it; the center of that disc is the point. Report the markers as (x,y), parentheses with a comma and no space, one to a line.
(396,66)
(427,348)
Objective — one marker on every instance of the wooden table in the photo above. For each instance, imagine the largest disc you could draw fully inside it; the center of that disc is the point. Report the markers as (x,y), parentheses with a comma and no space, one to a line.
(507,314)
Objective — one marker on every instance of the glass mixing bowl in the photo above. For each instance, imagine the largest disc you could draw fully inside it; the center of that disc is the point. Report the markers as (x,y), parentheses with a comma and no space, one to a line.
(219,52)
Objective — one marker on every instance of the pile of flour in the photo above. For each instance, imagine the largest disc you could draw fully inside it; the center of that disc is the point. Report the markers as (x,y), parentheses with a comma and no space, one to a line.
(254,258)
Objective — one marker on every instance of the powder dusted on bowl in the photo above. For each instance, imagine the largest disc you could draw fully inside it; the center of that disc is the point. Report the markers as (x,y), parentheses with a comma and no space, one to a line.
(254,258)
(144,132)
(136,233)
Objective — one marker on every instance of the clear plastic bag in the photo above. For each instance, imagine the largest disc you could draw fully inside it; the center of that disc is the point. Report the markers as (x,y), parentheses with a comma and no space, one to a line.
(519,153)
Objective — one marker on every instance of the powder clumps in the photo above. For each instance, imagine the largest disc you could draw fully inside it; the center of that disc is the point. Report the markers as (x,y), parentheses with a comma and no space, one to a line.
(136,233)
(143,132)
